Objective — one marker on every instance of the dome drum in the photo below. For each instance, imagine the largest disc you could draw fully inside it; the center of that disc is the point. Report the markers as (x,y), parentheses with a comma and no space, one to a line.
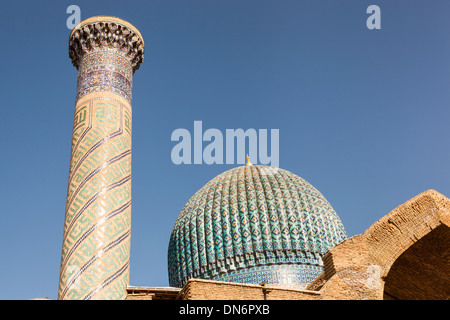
(218,268)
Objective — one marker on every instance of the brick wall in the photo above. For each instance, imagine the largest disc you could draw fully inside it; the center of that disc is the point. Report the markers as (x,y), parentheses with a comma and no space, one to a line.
(197,289)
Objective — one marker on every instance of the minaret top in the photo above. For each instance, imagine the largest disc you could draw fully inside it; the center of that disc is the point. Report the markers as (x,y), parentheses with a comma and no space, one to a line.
(103,31)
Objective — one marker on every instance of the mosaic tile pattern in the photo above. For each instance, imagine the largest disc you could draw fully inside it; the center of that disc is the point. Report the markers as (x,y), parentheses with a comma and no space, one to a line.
(105,71)
(96,241)
(302,275)
(251,216)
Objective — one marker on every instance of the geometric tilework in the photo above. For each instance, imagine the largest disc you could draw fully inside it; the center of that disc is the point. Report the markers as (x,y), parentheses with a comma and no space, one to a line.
(251,216)
(96,241)
(97,225)
(105,70)
(300,274)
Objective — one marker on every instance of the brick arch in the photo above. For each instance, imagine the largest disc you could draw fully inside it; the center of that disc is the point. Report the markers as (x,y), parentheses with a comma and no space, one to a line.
(388,238)
(421,271)
(366,265)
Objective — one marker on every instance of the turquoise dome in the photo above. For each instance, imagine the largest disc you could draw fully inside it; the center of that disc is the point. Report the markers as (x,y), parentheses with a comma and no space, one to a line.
(253,224)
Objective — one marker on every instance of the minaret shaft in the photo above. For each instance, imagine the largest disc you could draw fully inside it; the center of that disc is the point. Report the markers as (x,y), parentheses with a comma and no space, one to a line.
(96,243)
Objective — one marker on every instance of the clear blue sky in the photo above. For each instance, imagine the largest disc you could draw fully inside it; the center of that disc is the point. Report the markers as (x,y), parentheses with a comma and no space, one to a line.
(363,114)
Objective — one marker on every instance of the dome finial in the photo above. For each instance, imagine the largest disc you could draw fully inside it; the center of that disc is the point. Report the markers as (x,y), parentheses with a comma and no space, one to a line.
(248,161)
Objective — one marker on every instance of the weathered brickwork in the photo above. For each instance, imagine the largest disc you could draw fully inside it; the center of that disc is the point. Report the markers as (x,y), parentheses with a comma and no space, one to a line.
(150,293)
(404,255)
(405,280)
(197,289)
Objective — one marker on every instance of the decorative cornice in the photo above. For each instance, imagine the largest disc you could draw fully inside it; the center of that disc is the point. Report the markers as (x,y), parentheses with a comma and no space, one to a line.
(99,32)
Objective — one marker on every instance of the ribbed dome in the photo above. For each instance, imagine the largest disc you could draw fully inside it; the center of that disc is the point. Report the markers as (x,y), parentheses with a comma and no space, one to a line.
(253,224)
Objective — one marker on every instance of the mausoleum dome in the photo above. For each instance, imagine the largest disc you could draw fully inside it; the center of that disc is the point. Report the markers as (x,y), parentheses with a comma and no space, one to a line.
(253,224)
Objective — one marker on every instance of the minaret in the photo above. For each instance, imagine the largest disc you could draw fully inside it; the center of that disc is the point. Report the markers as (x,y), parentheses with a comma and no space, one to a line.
(96,244)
